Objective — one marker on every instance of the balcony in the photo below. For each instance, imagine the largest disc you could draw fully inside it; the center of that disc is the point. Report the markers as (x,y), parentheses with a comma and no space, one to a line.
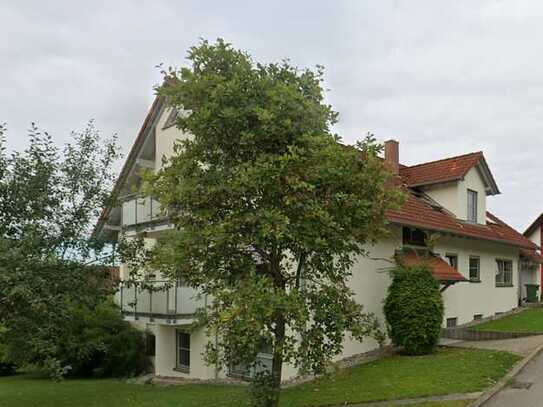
(159,301)
(140,210)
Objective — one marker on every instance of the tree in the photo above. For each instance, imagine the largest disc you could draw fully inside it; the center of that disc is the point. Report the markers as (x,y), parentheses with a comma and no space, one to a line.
(50,198)
(270,211)
(414,309)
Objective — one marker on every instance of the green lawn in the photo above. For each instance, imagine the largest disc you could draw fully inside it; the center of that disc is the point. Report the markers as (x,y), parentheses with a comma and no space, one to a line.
(396,377)
(530,320)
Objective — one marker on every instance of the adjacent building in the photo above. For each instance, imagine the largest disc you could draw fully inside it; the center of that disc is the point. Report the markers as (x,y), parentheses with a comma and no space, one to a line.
(531,279)
(480,261)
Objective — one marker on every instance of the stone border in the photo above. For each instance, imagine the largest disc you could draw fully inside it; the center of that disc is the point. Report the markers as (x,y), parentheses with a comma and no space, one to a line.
(487,395)
(419,400)
(466,333)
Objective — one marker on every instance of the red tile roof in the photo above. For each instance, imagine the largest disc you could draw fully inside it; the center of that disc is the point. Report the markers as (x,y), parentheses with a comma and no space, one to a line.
(448,169)
(440,269)
(420,211)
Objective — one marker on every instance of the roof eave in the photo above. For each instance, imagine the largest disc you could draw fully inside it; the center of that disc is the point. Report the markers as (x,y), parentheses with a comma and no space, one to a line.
(488,177)
(455,233)
(154,110)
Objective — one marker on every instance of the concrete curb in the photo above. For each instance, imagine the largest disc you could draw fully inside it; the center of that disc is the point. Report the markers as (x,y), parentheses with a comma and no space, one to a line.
(407,402)
(487,395)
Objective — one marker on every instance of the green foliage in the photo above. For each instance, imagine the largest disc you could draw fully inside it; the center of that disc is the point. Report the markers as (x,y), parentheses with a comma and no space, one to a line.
(270,210)
(97,342)
(262,391)
(7,367)
(51,295)
(62,320)
(50,197)
(414,310)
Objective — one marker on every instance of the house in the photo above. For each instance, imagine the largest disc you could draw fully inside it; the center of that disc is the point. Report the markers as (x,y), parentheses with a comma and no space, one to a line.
(476,257)
(534,275)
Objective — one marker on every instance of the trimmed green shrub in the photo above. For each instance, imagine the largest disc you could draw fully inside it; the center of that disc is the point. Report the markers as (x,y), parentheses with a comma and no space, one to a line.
(414,310)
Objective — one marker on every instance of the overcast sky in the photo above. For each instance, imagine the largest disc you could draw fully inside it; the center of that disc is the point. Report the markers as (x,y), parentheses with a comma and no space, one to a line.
(442,77)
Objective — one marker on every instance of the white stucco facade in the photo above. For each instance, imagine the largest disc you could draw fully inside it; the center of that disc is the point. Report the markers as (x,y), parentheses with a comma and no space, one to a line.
(454,195)
(485,298)
(370,278)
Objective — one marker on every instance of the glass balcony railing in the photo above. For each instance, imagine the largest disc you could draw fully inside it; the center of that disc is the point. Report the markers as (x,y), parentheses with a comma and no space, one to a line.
(140,210)
(159,300)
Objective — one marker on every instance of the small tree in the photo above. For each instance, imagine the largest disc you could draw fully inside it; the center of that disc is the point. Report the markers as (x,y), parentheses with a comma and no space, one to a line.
(270,211)
(414,309)
(55,307)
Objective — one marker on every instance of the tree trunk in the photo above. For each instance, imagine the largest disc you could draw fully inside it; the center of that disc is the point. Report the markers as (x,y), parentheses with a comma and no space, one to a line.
(279,334)
(277,364)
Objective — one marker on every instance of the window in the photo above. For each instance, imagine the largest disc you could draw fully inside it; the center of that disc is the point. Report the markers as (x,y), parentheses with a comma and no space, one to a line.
(183,352)
(504,274)
(474,268)
(452,259)
(477,317)
(247,371)
(172,118)
(472,206)
(414,237)
(150,344)
(181,282)
(452,322)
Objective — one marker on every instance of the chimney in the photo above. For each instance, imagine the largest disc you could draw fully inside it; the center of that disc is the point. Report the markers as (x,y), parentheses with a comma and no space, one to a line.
(392,156)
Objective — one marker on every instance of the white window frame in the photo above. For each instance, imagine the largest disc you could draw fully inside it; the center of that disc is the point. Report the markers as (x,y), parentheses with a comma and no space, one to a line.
(502,273)
(478,278)
(178,350)
(473,196)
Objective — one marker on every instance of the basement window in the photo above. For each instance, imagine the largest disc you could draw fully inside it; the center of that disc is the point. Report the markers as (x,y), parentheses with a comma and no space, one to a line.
(477,317)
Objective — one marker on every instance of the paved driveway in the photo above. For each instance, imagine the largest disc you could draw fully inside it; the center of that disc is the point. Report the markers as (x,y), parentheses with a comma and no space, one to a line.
(526,390)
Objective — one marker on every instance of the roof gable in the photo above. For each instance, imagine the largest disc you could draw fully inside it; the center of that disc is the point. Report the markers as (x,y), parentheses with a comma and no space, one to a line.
(535,224)
(449,170)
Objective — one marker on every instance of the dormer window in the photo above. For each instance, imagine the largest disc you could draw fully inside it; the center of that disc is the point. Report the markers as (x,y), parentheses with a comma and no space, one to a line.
(414,237)
(472,206)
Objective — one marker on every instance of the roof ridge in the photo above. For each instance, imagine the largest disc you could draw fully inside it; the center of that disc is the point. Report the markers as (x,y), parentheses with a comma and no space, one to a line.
(444,159)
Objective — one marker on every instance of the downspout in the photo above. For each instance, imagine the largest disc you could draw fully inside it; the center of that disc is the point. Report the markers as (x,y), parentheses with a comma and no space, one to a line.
(446,285)
(216,364)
